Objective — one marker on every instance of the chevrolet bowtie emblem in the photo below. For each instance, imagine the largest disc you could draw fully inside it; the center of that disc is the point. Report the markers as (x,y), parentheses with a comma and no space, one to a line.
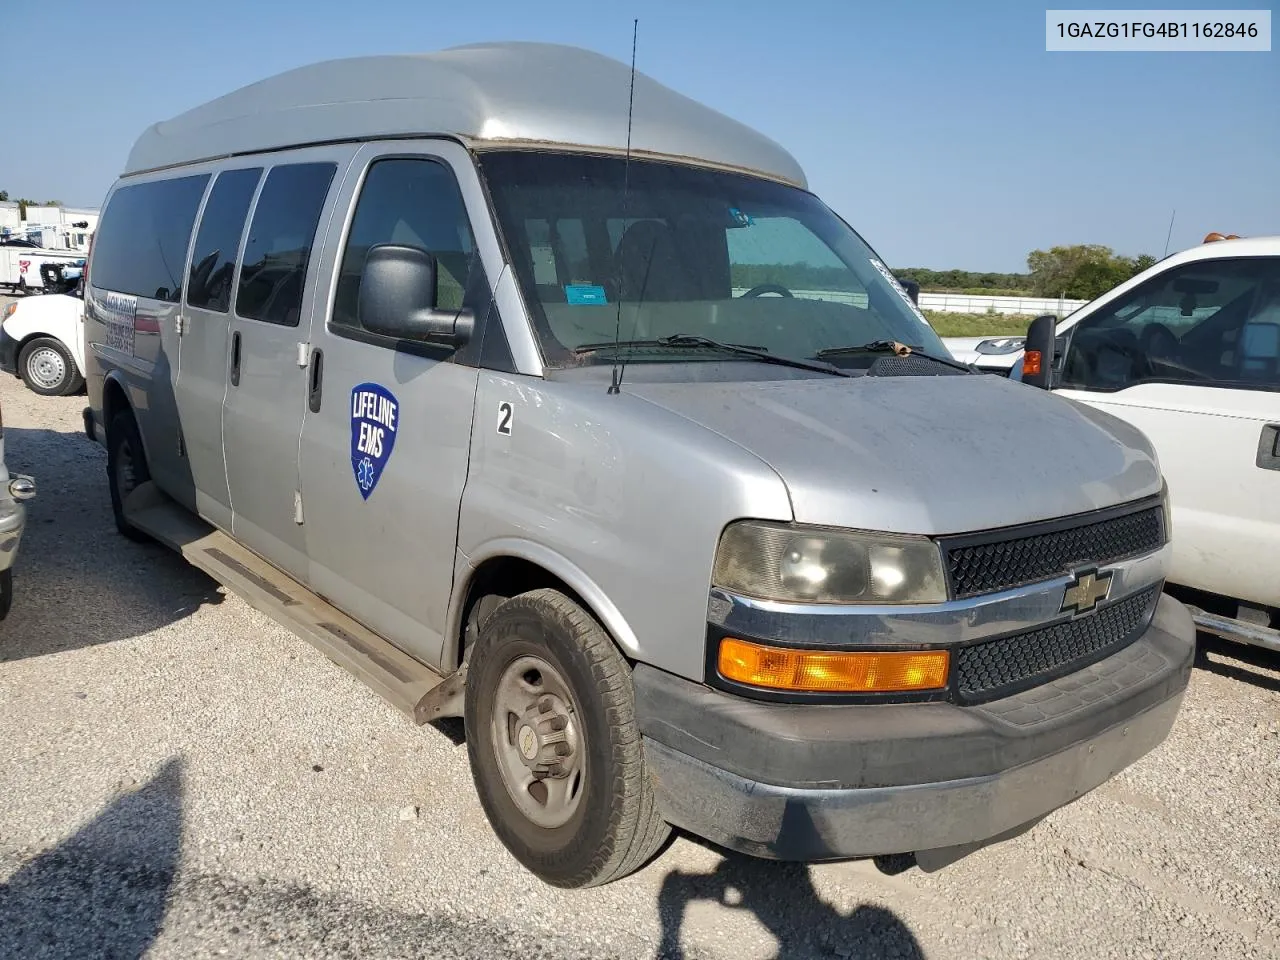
(1088,590)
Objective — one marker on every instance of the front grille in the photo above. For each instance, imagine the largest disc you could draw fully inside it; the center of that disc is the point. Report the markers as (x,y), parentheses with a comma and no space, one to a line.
(1023,557)
(1002,667)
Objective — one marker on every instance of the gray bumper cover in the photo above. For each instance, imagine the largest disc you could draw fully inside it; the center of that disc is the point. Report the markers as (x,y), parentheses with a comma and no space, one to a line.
(888,779)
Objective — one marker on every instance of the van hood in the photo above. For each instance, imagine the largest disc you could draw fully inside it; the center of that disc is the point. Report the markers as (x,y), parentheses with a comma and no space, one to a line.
(926,455)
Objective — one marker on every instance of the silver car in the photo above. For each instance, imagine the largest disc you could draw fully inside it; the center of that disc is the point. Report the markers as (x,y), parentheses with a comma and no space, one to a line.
(13,517)
(604,433)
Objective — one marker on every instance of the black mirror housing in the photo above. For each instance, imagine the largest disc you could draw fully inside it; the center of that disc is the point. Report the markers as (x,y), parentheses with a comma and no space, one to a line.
(1038,351)
(398,291)
(913,290)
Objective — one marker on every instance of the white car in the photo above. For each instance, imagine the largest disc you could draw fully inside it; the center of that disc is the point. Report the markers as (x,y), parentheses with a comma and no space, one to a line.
(992,354)
(1188,351)
(42,341)
(13,515)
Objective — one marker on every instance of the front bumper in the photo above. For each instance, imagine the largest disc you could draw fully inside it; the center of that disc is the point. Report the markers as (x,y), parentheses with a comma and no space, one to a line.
(8,352)
(819,782)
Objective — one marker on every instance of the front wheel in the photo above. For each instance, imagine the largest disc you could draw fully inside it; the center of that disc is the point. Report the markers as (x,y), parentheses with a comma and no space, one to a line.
(46,367)
(554,748)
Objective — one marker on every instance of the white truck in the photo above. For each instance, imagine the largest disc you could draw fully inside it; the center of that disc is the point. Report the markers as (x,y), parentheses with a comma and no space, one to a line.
(20,262)
(1188,351)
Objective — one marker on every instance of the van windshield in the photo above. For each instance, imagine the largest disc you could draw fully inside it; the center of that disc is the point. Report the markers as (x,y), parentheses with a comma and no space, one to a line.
(688,252)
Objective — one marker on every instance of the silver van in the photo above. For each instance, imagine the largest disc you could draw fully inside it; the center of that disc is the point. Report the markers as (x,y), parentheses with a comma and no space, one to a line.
(608,436)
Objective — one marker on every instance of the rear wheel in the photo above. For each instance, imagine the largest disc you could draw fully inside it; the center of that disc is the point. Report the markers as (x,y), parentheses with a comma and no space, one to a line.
(126,469)
(553,743)
(46,367)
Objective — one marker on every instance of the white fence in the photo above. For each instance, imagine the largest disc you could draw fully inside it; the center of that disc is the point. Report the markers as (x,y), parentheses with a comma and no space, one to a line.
(954,302)
(1030,306)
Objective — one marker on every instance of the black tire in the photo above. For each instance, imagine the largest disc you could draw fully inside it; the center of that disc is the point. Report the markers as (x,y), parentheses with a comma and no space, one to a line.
(46,367)
(126,469)
(6,592)
(616,827)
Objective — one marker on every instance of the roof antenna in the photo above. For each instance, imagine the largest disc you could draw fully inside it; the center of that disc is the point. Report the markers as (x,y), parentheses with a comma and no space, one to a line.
(616,382)
(1169,235)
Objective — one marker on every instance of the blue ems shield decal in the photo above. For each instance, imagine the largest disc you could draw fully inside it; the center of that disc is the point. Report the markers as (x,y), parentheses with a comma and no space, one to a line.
(375,417)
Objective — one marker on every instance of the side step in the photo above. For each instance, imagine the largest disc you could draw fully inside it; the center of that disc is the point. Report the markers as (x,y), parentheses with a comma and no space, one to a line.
(390,672)
(1240,631)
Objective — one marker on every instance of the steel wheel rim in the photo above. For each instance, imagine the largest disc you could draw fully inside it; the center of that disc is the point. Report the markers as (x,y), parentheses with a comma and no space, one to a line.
(538,743)
(46,367)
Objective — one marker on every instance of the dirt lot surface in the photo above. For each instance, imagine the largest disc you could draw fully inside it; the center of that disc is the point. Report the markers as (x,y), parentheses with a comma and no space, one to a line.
(182,778)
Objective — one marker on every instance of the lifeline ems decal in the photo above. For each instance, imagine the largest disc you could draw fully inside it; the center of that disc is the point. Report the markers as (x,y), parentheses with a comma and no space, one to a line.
(375,417)
(119,314)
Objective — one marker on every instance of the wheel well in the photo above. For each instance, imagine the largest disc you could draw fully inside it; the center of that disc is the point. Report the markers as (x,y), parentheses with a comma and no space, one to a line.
(498,579)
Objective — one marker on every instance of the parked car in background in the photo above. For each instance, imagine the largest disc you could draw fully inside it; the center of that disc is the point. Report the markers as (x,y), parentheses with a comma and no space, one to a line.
(12,520)
(42,341)
(1188,351)
(988,354)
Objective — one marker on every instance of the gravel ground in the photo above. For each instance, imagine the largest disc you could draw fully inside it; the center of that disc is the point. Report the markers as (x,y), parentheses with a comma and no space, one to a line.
(180,777)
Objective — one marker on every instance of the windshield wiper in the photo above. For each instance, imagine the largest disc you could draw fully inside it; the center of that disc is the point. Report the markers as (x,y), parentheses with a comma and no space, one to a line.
(888,346)
(687,340)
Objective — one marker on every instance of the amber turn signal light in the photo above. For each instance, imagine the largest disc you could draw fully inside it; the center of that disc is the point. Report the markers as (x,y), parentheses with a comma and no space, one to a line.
(831,671)
(1031,363)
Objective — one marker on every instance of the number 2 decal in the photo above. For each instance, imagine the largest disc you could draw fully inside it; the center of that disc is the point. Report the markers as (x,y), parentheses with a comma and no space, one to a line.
(505,413)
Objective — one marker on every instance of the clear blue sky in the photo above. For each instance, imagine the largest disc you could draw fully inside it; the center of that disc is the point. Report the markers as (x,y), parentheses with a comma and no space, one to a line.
(942,130)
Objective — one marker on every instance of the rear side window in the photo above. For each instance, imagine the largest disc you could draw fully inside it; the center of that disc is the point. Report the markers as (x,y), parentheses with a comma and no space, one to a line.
(416,203)
(141,246)
(280,241)
(213,263)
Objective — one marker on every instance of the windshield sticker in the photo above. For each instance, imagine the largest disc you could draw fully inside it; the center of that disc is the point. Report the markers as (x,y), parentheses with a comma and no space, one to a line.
(588,294)
(739,218)
(893,282)
(118,312)
(375,418)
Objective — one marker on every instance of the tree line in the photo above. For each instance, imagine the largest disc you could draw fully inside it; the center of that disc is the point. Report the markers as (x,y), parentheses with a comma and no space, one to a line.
(1079,272)
(23,203)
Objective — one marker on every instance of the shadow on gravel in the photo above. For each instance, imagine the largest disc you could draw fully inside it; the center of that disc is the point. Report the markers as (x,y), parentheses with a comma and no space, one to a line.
(77,582)
(784,899)
(1254,665)
(103,891)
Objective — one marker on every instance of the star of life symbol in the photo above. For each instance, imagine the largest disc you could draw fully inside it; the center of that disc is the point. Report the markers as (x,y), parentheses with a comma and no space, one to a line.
(365,474)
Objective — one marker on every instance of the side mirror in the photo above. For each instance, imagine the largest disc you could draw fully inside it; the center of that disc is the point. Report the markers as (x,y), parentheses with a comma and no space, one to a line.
(398,298)
(913,290)
(1037,354)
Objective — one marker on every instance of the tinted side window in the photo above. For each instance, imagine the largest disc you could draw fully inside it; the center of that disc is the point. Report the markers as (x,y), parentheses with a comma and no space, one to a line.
(280,239)
(141,245)
(416,203)
(1212,323)
(213,263)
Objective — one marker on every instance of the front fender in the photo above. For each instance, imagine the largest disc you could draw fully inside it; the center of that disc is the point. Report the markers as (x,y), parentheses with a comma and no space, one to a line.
(559,566)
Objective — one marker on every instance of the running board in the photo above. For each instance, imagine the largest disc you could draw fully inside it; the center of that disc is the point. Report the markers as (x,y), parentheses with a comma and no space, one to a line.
(386,669)
(1240,631)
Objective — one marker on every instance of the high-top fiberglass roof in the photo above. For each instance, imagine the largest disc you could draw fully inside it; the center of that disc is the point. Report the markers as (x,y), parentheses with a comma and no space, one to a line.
(483,94)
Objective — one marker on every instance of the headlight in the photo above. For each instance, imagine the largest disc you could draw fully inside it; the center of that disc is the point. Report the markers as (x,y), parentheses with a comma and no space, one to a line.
(9,311)
(778,561)
(1000,345)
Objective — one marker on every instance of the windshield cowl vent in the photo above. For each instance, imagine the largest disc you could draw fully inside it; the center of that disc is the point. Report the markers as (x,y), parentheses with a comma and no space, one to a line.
(915,365)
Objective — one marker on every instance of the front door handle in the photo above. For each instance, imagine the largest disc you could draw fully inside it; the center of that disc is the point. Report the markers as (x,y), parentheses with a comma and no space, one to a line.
(315,383)
(235,359)
(1269,447)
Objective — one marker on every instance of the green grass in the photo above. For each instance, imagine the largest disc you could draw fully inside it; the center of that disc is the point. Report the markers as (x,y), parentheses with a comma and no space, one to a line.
(977,324)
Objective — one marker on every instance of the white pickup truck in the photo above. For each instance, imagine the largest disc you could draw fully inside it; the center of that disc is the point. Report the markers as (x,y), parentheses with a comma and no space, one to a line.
(20,262)
(1188,351)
